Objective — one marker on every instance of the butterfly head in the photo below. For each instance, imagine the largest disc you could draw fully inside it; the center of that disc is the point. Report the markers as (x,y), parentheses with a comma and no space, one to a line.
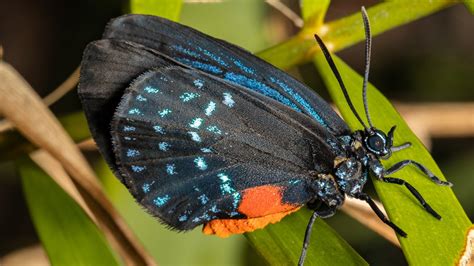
(379,143)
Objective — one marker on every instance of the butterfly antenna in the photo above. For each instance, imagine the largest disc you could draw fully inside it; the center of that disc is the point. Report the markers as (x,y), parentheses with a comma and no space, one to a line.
(339,79)
(368,48)
(307,236)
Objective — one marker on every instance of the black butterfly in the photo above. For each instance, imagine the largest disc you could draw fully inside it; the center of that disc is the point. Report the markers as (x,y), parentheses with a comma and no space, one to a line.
(202,132)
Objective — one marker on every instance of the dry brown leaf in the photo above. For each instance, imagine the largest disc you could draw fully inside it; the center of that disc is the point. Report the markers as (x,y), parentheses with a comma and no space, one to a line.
(24,108)
(29,256)
(467,256)
(69,84)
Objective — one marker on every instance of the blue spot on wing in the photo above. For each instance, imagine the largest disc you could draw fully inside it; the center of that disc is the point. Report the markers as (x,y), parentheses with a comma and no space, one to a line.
(160,201)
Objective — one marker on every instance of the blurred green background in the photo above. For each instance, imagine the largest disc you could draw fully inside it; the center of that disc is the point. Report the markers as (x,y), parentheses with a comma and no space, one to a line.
(430,60)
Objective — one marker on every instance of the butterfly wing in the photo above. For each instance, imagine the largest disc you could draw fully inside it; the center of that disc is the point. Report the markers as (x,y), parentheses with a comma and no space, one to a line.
(226,61)
(194,148)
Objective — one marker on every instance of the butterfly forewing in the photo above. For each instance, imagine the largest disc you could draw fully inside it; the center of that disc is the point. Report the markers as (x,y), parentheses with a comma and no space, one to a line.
(226,61)
(107,68)
(188,146)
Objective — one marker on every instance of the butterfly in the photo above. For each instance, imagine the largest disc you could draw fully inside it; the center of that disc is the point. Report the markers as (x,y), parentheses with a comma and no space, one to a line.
(202,132)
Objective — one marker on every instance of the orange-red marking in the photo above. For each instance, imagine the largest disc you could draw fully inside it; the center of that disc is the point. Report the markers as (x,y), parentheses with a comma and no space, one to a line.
(227,227)
(262,205)
(263,200)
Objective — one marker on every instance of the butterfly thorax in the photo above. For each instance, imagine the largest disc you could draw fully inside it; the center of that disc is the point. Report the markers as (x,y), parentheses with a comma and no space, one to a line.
(350,169)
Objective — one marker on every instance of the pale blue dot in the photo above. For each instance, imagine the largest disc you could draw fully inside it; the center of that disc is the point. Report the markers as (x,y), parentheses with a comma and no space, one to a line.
(128,128)
(196,189)
(129,138)
(195,136)
(196,220)
(138,168)
(164,112)
(214,209)
(134,111)
(140,98)
(170,169)
(236,196)
(151,90)
(210,108)
(228,99)
(223,177)
(226,188)
(196,122)
(164,146)
(294,182)
(183,218)
(200,163)
(214,129)
(146,187)
(158,129)
(206,150)
(132,153)
(160,201)
(203,198)
(198,83)
(188,96)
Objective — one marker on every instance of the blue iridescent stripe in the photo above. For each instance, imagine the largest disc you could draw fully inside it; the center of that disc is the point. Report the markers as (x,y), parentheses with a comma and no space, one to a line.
(200,65)
(301,101)
(260,87)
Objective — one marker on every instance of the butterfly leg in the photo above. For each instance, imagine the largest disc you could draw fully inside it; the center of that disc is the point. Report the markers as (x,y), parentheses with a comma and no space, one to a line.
(379,213)
(414,192)
(401,147)
(398,166)
(307,236)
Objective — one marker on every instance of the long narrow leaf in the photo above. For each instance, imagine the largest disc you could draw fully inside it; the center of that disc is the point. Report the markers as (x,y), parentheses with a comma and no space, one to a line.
(281,243)
(429,241)
(66,232)
(165,8)
(347,31)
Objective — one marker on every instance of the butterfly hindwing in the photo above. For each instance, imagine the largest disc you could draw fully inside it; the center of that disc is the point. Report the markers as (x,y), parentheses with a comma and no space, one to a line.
(226,61)
(193,148)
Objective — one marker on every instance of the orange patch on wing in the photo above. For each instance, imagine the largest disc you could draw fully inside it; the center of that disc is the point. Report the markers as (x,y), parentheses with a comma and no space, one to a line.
(227,227)
(262,201)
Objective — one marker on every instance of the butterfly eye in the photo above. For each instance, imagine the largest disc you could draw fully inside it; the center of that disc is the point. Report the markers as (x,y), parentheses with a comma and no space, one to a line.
(376,143)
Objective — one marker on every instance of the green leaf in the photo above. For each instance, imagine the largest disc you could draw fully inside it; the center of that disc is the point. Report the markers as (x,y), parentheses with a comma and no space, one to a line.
(281,243)
(169,9)
(66,232)
(429,241)
(313,12)
(470,5)
(348,31)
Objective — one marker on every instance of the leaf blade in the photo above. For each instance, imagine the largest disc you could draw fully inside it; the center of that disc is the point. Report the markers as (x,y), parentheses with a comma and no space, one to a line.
(66,232)
(281,243)
(169,9)
(347,31)
(421,247)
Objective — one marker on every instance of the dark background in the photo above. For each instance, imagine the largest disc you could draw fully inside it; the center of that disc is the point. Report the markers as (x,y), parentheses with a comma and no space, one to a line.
(429,60)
